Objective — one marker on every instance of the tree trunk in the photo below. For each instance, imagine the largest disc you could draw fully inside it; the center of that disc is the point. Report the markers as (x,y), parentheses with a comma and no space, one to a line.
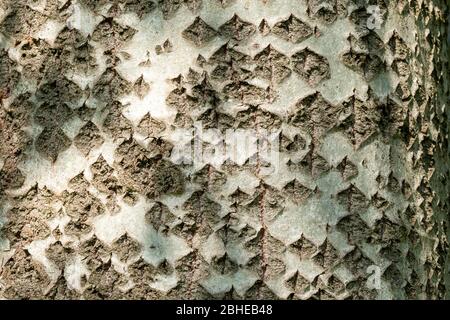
(276,149)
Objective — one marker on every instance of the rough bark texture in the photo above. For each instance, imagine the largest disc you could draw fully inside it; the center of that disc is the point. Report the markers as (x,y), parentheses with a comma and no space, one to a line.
(93,92)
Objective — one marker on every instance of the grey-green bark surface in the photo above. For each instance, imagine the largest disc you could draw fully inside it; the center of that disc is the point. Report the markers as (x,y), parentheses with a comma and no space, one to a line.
(97,98)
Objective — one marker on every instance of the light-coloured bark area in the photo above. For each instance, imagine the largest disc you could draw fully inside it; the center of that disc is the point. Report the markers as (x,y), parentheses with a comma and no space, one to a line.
(94,95)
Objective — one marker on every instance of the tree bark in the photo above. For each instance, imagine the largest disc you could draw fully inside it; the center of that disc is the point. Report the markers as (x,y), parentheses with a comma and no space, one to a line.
(110,110)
